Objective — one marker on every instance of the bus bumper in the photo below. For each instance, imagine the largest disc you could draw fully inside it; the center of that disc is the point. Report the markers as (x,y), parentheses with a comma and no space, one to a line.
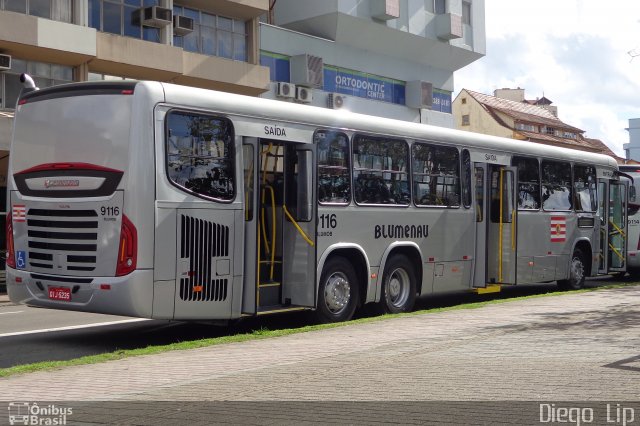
(131,295)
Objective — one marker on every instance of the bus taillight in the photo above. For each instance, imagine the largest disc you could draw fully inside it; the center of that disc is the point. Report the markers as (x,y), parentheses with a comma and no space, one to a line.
(11,257)
(128,249)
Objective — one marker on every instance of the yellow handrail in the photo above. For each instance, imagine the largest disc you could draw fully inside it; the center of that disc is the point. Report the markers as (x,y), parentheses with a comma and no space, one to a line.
(616,251)
(617,228)
(302,233)
(270,250)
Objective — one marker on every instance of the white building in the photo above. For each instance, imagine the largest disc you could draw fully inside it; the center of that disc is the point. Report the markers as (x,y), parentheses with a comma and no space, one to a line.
(632,149)
(392,58)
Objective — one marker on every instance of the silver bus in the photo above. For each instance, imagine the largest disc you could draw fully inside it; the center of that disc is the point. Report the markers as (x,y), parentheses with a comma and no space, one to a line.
(155,200)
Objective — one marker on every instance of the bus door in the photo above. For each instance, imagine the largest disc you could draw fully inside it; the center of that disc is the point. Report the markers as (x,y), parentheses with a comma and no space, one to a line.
(285,236)
(612,210)
(501,224)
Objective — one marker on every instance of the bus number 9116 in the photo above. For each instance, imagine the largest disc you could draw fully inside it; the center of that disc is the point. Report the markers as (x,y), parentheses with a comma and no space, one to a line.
(109,211)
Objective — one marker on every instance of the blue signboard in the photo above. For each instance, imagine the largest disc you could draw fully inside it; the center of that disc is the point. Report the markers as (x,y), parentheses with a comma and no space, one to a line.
(354,83)
(441,101)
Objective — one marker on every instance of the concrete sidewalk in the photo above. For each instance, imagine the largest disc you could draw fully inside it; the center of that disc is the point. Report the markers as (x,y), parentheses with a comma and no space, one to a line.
(583,346)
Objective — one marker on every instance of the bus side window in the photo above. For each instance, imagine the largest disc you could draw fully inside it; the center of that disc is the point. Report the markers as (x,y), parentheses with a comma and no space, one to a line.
(334,177)
(528,183)
(200,154)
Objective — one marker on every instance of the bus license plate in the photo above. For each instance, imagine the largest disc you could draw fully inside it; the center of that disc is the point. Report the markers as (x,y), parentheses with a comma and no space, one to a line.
(60,293)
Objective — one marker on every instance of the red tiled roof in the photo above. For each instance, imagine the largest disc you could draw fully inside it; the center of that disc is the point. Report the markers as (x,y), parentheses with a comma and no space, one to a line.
(521,111)
(581,144)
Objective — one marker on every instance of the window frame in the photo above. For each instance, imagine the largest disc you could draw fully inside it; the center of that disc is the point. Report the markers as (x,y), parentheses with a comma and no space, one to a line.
(232,155)
(543,182)
(354,141)
(436,145)
(575,191)
(349,167)
(525,157)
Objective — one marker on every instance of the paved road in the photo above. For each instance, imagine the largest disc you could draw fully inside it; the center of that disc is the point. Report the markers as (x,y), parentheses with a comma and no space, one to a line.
(574,347)
(30,335)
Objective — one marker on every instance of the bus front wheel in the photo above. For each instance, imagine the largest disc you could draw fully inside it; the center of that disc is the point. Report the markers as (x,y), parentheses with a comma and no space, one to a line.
(577,271)
(398,285)
(338,292)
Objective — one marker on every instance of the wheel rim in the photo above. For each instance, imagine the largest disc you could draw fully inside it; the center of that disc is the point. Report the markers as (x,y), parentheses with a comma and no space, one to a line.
(337,293)
(577,270)
(397,288)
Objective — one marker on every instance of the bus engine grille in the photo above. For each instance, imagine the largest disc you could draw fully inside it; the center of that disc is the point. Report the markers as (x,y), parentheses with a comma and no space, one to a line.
(201,242)
(62,241)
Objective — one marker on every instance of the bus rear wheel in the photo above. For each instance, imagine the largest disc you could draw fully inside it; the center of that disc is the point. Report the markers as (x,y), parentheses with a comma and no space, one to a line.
(338,292)
(577,271)
(398,285)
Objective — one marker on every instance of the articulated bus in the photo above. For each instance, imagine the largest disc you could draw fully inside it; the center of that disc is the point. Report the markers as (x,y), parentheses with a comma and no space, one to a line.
(154,200)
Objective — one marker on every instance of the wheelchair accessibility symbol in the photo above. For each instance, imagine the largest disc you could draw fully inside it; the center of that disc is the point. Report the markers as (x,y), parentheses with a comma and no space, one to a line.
(21,259)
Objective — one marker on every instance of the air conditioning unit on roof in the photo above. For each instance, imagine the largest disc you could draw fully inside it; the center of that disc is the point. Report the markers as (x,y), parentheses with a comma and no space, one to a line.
(307,70)
(182,25)
(285,90)
(5,62)
(153,16)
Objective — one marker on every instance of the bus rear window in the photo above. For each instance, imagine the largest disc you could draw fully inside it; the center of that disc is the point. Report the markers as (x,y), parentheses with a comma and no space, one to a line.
(200,154)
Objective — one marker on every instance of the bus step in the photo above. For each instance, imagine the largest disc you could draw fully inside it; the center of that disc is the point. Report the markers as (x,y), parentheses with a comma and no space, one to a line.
(490,288)
(268,262)
(269,284)
(275,309)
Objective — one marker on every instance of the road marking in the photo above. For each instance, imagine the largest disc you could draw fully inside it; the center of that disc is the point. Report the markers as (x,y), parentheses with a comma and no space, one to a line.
(73,327)
(7,313)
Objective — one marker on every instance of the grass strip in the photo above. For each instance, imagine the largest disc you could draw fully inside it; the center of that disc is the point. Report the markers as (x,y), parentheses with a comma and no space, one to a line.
(266,333)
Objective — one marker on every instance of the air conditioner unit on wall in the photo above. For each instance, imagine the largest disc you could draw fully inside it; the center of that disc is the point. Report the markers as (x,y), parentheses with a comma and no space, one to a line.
(5,62)
(335,100)
(182,25)
(285,90)
(419,94)
(304,94)
(153,16)
(307,70)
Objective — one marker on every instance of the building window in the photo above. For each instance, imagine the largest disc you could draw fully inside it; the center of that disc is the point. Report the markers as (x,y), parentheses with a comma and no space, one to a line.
(44,75)
(58,10)
(435,6)
(466,13)
(116,17)
(334,177)
(213,35)
(465,120)
(550,130)
(436,175)
(200,154)
(463,100)
(380,170)
(526,127)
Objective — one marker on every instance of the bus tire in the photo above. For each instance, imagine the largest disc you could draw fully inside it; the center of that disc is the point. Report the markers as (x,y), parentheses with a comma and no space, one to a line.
(338,292)
(398,285)
(576,272)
